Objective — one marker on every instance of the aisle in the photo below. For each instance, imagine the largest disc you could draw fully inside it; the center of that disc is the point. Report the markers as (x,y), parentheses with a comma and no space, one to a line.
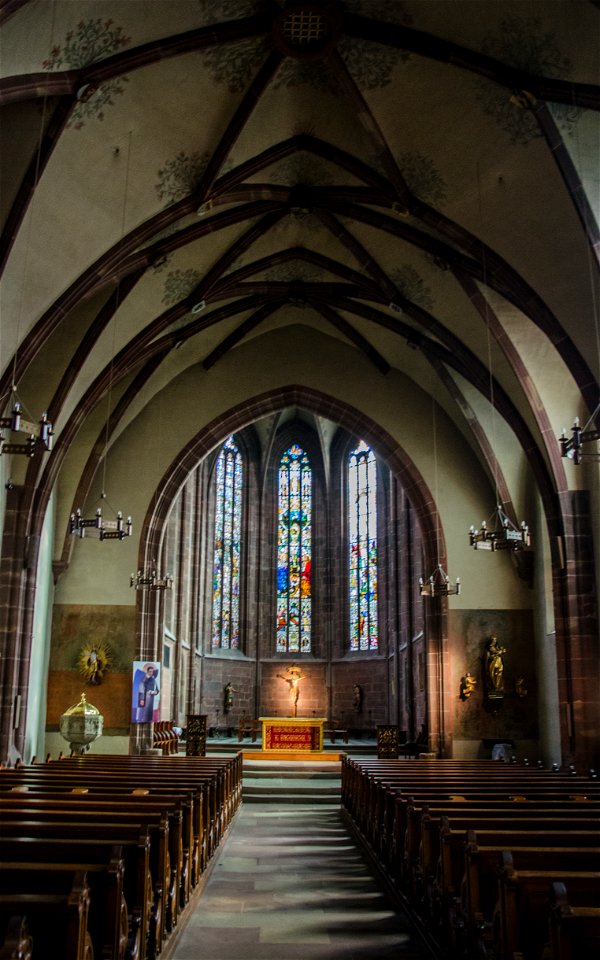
(291,884)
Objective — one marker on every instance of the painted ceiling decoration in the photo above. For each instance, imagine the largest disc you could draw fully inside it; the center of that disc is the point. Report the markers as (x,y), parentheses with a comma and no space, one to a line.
(186,173)
(90,42)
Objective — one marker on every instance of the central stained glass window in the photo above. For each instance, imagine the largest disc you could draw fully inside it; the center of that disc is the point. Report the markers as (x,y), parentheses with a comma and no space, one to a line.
(362,537)
(226,557)
(294,552)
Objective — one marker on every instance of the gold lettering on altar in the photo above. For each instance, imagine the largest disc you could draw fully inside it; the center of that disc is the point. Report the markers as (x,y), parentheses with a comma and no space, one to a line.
(299,733)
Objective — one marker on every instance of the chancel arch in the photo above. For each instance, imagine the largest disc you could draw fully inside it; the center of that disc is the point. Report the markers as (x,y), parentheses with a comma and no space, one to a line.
(318,260)
(395,673)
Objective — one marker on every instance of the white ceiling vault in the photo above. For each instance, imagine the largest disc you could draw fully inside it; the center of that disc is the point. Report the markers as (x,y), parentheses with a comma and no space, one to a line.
(414,182)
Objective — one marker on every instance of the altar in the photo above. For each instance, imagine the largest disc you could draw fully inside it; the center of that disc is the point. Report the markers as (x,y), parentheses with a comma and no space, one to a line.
(297,734)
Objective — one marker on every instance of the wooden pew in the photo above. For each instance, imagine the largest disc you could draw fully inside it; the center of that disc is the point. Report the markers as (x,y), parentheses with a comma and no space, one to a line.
(217,798)
(218,781)
(334,730)
(398,807)
(196,796)
(465,892)
(179,807)
(414,844)
(355,773)
(373,805)
(422,838)
(107,920)
(165,835)
(98,853)
(99,805)
(479,894)
(71,839)
(164,737)
(222,777)
(370,799)
(574,930)
(195,801)
(57,922)
(184,804)
(15,939)
(522,916)
(248,728)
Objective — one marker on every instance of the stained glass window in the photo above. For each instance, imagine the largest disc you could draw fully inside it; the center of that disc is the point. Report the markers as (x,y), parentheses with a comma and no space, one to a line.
(294,552)
(226,559)
(362,548)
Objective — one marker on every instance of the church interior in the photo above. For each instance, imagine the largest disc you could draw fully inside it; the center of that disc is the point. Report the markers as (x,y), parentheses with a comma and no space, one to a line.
(300,349)
(299,452)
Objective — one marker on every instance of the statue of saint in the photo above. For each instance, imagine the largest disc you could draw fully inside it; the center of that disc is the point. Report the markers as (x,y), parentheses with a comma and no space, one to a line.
(293,682)
(467,686)
(358,697)
(494,667)
(521,687)
(228,697)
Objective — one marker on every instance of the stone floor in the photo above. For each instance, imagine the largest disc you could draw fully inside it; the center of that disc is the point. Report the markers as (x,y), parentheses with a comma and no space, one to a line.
(290,883)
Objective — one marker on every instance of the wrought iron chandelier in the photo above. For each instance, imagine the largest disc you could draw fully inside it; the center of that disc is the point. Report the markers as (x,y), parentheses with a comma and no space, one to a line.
(571,447)
(100,528)
(151,581)
(438,584)
(505,535)
(40,434)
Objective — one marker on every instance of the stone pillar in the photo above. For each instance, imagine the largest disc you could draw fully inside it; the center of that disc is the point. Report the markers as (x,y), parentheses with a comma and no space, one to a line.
(577,644)
(16,618)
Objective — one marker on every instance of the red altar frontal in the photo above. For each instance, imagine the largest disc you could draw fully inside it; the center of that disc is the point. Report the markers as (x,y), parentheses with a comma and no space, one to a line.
(292,734)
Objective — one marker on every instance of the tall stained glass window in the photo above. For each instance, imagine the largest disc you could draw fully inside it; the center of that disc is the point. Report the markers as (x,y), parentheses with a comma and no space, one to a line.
(294,552)
(226,559)
(362,548)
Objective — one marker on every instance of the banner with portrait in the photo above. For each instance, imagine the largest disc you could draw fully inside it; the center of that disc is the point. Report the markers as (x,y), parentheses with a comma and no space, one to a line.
(145,694)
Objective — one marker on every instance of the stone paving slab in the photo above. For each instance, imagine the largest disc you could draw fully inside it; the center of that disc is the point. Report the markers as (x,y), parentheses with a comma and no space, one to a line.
(291,884)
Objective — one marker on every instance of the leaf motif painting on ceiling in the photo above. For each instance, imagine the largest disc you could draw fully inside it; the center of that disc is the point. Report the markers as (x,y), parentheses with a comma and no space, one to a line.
(179,284)
(178,179)
(420,175)
(297,73)
(370,64)
(392,11)
(181,175)
(522,43)
(412,286)
(292,273)
(91,41)
(235,64)
(218,11)
(422,178)
(301,168)
(309,221)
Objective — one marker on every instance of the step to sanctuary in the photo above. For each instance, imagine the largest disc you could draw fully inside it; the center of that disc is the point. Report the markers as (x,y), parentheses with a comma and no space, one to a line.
(291,781)
(292,756)
(227,745)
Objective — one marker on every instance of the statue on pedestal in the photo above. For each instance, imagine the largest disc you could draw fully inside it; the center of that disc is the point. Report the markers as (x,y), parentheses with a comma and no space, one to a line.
(228,697)
(467,686)
(494,668)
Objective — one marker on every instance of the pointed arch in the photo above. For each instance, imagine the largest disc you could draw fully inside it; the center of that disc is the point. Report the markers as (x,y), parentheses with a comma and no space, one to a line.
(227,548)
(294,552)
(362,548)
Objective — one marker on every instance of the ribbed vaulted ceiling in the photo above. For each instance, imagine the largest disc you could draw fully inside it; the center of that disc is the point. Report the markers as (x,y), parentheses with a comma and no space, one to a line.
(418,180)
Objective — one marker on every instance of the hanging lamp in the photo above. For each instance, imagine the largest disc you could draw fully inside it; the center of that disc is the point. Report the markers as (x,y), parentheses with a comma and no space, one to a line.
(505,535)
(39,435)
(571,447)
(438,584)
